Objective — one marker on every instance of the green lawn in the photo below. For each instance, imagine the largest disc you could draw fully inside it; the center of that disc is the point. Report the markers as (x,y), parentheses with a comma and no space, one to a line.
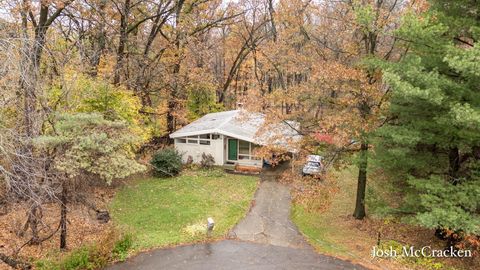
(167,211)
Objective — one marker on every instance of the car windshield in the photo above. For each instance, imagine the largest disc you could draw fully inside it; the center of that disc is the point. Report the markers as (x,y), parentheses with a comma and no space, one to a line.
(313,164)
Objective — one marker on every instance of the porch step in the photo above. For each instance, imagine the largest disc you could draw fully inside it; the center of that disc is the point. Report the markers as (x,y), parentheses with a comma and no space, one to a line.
(247,169)
(229,167)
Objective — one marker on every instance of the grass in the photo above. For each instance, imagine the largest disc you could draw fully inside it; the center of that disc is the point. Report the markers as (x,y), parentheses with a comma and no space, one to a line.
(112,246)
(167,211)
(86,257)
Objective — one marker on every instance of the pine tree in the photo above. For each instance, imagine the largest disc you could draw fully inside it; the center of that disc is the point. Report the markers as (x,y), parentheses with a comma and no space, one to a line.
(87,147)
(433,138)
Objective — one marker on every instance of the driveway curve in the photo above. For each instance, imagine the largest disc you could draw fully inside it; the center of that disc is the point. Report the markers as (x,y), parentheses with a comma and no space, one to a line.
(265,239)
(232,255)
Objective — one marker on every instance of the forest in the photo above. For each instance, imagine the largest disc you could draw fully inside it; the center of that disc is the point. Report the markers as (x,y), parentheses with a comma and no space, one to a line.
(89,89)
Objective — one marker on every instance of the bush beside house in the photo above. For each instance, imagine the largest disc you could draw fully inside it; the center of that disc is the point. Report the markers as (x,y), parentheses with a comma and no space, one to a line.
(167,162)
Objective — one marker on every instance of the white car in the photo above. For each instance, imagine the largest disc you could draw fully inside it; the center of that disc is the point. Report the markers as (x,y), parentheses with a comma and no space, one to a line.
(313,166)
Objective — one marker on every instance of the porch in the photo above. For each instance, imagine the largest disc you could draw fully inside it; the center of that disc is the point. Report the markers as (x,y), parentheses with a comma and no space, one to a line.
(240,152)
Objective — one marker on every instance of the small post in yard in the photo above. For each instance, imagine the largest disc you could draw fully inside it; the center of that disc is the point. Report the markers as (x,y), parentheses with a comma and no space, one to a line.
(210,225)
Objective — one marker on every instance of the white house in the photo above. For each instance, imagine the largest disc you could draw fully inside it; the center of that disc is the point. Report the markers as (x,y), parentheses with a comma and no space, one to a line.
(232,136)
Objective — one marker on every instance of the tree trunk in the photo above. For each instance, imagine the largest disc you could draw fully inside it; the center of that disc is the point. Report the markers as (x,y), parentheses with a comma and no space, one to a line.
(454,164)
(119,61)
(98,45)
(28,83)
(271,11)
(172,102)
(33,219)
(124,16)
(359,212)
(171,126)
(30,66)
(63,218)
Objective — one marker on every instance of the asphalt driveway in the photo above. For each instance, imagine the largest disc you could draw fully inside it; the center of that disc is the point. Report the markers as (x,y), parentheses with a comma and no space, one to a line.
(268,222)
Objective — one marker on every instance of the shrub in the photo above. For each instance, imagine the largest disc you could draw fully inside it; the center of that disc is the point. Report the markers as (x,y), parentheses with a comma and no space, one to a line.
(111,247)
(46,264)
(82,258)
(167,162)
(79,259)
(196,229)
(189,160)
(207,161)
(121,248)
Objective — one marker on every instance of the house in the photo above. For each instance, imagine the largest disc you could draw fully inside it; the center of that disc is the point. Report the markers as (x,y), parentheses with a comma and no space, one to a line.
(231,137)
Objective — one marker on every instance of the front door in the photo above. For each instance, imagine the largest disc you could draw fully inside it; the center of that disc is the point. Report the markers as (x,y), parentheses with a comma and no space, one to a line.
(232,149)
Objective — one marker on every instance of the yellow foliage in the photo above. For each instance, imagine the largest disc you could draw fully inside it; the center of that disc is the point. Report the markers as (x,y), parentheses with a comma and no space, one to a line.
(80,93)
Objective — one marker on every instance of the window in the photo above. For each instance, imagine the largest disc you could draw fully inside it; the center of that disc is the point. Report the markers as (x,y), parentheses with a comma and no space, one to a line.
(243,148)
(246,151)
(203,139)
(192,139)
(215,136)
(253,152)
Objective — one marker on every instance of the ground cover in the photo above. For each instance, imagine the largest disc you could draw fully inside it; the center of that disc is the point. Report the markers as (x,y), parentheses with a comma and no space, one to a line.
(168,211)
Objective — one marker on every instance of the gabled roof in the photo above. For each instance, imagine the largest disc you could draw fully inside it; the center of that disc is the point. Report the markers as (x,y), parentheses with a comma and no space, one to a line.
(242,125)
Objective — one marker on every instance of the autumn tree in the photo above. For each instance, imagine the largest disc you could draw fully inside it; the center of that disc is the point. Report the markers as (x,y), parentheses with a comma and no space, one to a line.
(353,95)
(318,67)
(86,26)
(27,169)
(191,21)
(239,43)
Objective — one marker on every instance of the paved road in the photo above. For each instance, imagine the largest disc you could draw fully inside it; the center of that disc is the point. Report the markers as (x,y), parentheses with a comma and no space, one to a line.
(232,255)
(265,239)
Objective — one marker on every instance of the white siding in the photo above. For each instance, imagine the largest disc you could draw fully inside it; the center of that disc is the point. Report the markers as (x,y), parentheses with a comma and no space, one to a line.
(196,150)
(217,148)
